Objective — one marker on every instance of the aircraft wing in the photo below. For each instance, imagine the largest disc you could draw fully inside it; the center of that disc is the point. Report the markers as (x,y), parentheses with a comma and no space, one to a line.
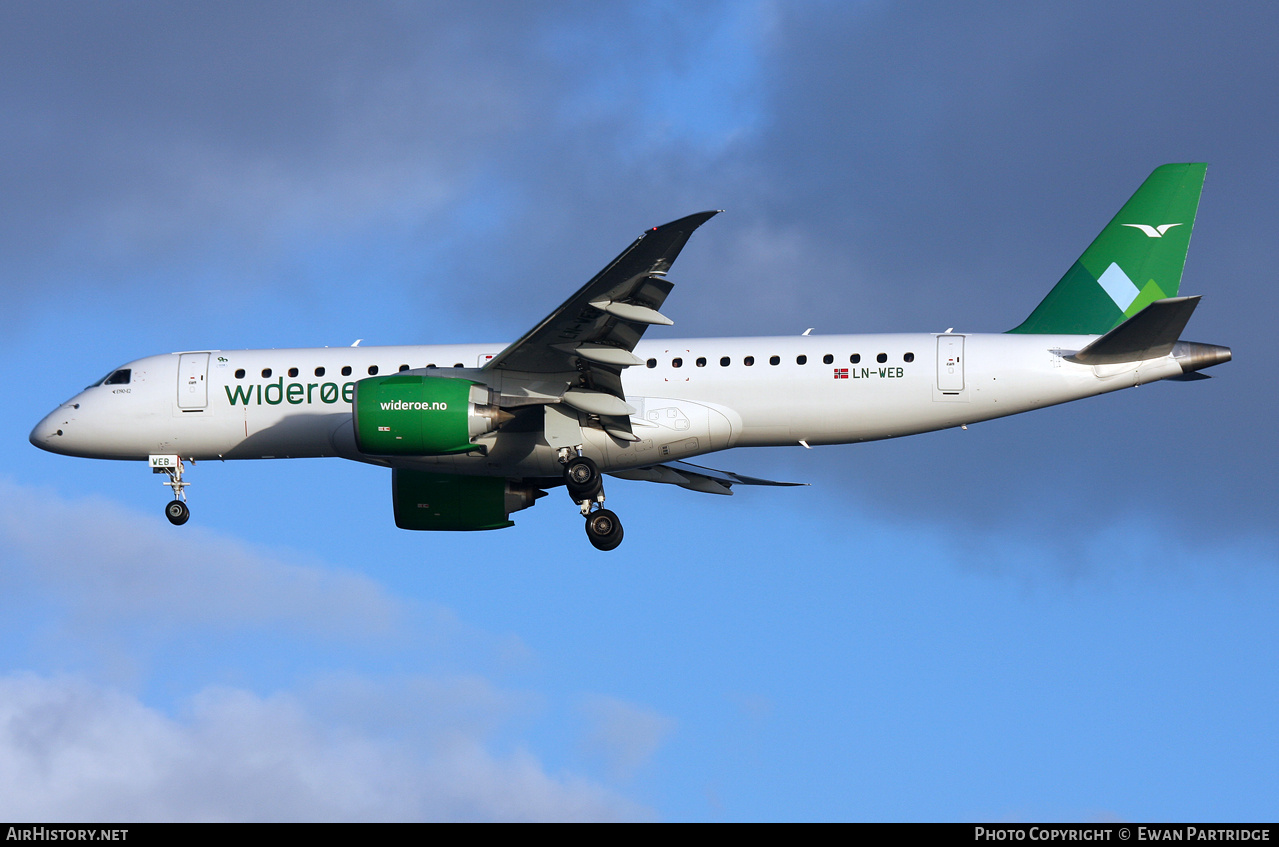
(591,335)
(695,477)
(609,312)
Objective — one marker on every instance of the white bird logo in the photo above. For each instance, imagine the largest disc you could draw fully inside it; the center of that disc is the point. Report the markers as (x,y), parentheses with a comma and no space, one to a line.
(1153,231)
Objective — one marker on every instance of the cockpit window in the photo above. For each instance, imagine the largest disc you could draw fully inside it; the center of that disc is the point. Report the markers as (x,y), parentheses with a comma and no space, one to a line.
(120,376)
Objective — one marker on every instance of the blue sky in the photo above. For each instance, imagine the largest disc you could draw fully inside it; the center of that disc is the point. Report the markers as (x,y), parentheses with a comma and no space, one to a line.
(1067,615)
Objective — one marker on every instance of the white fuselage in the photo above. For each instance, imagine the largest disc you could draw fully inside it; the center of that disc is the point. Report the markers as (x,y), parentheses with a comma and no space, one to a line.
(692,396)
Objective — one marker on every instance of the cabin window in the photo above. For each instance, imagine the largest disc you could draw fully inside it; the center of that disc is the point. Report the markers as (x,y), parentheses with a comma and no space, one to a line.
(266,373)
(909,357)
(652,363)
(403,368)
(723,362)
(774,360)
(319,371)
(748,361)
(119,377)
(881,358)
(701,361)
(458,365)
(828,359)
(293,372)
(801,359)
(239,373)
(346,370)
(677,363)
(372,370)
(855,358)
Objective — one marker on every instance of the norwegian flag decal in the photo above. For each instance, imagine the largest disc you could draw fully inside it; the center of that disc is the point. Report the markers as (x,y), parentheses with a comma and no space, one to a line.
(841,373)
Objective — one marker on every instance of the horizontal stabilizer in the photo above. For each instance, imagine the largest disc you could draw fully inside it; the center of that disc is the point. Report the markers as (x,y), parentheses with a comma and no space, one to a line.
(695,477)
(1149,334)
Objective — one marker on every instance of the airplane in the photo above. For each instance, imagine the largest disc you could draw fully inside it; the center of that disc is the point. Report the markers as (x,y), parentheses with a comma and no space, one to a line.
(473,432)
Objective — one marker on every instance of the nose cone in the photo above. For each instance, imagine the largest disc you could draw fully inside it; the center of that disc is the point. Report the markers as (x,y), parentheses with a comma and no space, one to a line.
(50,433)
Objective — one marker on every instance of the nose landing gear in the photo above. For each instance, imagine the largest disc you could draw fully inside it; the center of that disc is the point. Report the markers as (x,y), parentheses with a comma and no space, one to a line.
(585,486)
(176,511)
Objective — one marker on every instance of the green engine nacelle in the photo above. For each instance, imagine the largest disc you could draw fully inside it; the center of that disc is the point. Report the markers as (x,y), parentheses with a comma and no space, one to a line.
(415,415)
(451,502)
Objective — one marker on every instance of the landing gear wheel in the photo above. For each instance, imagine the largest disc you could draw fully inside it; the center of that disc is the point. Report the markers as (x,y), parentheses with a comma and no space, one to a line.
(177,512)
(582,476)
(171,465)
(603,529)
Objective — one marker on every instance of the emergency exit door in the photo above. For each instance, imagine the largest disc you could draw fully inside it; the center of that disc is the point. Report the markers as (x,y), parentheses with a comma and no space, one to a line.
(193,376)
(950,363)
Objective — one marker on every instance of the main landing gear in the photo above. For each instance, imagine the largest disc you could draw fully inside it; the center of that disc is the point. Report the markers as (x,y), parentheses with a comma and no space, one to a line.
(603,529)
(585,486)
(176,511)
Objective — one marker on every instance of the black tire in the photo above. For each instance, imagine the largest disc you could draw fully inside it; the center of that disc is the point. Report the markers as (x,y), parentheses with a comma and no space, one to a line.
(177,512)
(583,479)
(603,529)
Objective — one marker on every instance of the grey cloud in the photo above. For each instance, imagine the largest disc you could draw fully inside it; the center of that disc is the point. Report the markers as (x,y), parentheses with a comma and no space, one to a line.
(152,134)
(149,138)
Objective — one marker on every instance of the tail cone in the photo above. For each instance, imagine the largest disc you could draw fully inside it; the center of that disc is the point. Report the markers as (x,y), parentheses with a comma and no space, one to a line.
(1193,356)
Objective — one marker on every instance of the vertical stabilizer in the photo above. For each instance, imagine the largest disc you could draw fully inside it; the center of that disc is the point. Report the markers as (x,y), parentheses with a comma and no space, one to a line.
(1136,260)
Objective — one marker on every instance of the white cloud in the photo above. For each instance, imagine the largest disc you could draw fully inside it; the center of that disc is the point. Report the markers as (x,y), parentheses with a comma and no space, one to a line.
(112,566)
(624,735)
(347,746)
(70,750)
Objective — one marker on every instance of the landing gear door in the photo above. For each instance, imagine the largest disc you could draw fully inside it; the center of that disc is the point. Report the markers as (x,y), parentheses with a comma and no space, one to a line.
(950,363)
(193,381)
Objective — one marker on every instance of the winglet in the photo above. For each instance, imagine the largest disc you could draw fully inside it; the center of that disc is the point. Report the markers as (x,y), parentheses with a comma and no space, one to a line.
(688,223)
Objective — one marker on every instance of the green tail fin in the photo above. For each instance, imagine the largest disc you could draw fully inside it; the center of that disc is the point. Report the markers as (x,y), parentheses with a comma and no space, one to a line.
(1136,260)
